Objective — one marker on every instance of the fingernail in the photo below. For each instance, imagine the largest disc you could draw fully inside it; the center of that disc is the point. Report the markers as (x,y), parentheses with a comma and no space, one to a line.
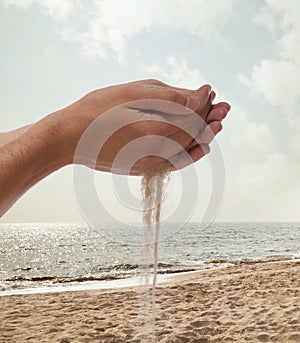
(223,110)
(192,103)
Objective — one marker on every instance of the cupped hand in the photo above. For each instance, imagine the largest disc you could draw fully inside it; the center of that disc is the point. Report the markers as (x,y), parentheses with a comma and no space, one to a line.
(131,127)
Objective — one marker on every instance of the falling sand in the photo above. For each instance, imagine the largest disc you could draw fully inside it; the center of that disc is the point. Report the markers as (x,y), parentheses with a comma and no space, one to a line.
(154,181)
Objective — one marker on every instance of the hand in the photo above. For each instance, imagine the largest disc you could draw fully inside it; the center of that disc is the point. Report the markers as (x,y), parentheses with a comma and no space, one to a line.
(29,154)
(152,108)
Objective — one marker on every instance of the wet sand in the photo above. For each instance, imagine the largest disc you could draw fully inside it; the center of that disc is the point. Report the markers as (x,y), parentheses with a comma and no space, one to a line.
(246,303)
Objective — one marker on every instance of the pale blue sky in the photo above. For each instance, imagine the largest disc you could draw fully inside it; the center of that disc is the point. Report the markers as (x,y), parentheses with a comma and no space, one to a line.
(53,52)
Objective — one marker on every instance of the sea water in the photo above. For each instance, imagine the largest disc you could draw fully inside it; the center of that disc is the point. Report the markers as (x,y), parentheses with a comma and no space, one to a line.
(35,255)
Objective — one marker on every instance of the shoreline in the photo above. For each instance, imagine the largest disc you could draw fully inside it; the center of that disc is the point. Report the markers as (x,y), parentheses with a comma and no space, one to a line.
(131,282)
(118,284)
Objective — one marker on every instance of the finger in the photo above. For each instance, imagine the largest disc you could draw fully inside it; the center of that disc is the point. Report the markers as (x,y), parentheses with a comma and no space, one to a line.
(195,100)
(180,89)
(210,132)
(222,104)
(212,95)
(198,152)
(157,84)
(202,102)
(185,138)
(165,93)
(205,112)
(217,114)
(204,97)
(207,135)
(189,157)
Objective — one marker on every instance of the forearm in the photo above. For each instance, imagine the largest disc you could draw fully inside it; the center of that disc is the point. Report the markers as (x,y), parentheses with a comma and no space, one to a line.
(5,137)
(29,154)
(28,158)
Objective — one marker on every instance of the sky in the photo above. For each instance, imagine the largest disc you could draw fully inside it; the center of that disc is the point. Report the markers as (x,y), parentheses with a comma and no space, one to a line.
(55,51)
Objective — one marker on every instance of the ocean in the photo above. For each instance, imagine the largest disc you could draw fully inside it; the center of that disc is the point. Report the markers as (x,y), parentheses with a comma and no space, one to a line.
(39,256)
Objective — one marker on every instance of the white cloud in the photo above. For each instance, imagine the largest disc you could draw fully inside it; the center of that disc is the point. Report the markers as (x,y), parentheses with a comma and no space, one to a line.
(244,133)
(266,186)
(281,18)
(277,80)
(177,73)
(106,26)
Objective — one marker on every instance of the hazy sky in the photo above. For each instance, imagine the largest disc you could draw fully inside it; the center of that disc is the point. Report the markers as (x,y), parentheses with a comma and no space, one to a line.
(55,51)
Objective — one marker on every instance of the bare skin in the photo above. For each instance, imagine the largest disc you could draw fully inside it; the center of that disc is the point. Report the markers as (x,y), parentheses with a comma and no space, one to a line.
(5,137)
(31,153)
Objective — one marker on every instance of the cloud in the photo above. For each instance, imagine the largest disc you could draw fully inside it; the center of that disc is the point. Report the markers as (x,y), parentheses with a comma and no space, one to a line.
(265,191)
(248,134)
(103,28)
(267,185)
(177,73)
(281,18)
(277,80)
(266,177)
(243,132)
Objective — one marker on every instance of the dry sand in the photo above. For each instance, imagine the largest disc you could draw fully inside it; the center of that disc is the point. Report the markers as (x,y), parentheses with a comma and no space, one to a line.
(246,303)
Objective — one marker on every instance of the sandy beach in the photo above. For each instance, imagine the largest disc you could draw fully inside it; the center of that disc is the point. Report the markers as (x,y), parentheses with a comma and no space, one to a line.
(246,303)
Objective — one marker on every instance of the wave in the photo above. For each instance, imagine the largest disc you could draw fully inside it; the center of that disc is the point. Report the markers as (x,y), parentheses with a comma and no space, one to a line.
(122,271)
(86,278)
(247,260)
(128,266)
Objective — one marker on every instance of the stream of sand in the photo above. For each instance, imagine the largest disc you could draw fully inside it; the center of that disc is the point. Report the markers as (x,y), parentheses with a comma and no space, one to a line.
(154,182)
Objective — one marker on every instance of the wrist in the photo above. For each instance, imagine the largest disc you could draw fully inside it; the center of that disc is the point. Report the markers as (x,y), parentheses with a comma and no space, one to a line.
(70,123)
(52,137)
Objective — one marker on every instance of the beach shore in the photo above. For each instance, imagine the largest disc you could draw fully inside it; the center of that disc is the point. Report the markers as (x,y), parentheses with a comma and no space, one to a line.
(246,303)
